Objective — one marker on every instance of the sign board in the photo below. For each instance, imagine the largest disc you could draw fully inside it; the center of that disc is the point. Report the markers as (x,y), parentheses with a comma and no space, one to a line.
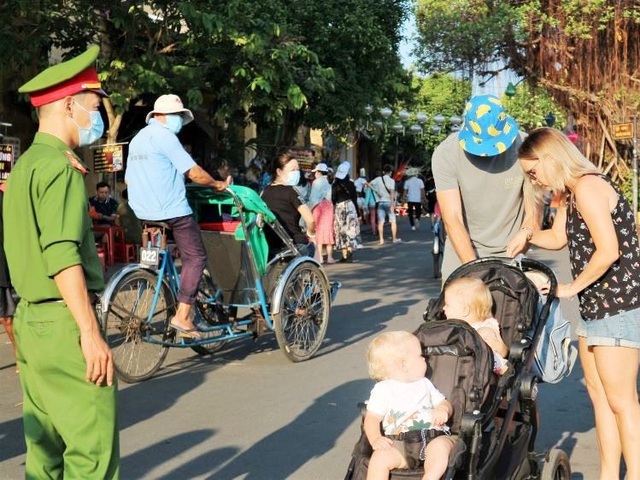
(622,131)
(304,157)
(108,158)
(6,161)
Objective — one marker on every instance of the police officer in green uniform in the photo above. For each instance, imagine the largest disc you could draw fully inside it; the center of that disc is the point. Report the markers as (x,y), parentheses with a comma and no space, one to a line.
(66,368)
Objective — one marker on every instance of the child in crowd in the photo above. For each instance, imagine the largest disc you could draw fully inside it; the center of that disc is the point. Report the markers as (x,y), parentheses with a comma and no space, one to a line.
(469,299)
(409,407)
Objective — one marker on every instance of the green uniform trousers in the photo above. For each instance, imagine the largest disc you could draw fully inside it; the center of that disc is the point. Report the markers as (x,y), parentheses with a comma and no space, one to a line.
(70,425)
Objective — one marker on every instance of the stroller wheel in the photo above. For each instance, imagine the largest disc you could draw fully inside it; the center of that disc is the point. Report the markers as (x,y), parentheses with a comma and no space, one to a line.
(557,466)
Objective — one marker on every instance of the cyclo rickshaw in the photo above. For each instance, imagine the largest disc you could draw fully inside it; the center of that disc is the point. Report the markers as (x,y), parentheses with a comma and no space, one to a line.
(244,291)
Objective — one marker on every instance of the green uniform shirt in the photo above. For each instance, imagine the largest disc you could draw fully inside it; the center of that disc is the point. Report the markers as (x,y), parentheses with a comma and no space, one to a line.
(47,223)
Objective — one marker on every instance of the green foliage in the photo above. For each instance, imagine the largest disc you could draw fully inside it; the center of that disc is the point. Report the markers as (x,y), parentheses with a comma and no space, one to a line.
(437,94)
(440,94)
(530,105)
(459,35)
(358,40)
(318,63)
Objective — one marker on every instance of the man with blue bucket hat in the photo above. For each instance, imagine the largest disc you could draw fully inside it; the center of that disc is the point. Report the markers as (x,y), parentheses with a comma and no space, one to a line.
(479,186)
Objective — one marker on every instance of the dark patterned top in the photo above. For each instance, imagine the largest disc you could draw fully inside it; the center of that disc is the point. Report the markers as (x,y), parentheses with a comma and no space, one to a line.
(616,291)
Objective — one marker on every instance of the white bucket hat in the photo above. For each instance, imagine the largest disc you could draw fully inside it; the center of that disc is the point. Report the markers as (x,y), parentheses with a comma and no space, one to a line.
(167,104)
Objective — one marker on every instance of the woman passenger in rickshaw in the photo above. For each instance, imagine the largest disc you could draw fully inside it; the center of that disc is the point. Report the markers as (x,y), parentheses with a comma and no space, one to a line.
(284,201)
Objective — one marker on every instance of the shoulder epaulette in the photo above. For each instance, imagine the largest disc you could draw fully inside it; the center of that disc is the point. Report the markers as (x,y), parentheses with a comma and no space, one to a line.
(75,163)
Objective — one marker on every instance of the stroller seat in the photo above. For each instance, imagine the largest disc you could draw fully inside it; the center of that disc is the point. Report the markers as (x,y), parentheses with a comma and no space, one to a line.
(495,419)
(460,366)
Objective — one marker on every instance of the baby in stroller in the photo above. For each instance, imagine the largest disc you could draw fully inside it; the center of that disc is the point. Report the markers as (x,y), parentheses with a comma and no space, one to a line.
(494,419)
(470,300)
(407,404)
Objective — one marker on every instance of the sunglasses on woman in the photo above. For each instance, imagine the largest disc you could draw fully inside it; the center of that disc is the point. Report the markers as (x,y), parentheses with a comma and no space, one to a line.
(532,171)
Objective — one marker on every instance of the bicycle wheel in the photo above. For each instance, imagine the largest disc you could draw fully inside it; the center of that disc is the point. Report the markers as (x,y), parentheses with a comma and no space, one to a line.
(210,315)
(133,322)
(302,321)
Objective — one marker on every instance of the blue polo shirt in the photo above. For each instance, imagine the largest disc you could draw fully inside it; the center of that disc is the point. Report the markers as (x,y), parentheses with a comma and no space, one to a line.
(155,172)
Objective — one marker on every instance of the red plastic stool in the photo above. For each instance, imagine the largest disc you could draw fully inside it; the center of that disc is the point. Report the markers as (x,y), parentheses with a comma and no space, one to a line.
(101,256)
(126,252)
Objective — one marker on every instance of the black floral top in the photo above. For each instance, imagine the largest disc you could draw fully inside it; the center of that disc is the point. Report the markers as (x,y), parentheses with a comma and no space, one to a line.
(617,290)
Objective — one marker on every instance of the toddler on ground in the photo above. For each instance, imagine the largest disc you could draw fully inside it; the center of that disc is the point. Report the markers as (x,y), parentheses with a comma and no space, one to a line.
(409,407)
(469,299)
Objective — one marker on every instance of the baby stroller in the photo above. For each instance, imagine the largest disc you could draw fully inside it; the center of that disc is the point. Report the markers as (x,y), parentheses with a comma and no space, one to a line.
(495,420)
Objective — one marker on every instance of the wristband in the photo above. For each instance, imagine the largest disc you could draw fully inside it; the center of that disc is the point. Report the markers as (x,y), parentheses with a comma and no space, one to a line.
(529,231)
(311,235)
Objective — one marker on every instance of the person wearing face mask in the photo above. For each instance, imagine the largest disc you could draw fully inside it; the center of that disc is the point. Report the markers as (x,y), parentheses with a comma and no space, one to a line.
(284,201)
(66,368)
(156,166)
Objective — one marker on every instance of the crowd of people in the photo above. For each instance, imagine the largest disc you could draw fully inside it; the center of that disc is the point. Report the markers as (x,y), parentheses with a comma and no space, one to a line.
(490,179)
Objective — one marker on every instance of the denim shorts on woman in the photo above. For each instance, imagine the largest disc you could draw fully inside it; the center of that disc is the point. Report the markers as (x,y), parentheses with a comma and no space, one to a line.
(621,330)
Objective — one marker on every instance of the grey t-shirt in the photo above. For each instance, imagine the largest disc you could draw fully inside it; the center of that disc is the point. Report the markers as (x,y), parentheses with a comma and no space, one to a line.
(490,189)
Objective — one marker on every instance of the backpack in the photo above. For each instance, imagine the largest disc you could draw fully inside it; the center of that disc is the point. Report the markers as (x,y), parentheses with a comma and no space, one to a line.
(555,356)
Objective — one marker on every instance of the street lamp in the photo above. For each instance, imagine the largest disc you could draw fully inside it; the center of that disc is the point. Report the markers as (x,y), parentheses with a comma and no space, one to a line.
(385,112)
(368,110)
(455,122)
(510,90)
(397,128)
(439,119)
(415,130)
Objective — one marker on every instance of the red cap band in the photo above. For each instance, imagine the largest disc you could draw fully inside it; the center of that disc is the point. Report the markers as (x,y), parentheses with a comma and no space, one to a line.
(85,80)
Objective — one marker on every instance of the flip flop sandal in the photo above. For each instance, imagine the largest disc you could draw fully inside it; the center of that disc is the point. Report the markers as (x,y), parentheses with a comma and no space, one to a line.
(187,332)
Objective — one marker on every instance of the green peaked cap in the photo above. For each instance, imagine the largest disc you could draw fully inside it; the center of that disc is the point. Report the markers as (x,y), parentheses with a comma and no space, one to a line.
(66,78)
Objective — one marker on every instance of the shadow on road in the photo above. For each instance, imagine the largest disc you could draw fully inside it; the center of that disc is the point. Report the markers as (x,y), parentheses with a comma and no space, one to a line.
(12,439)
(142,463)
(283,452)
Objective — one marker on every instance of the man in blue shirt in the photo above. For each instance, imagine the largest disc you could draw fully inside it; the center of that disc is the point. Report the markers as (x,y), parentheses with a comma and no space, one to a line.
(156,166)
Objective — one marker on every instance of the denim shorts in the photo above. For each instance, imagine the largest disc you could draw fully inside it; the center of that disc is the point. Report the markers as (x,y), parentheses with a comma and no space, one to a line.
(384,211)
(621,330)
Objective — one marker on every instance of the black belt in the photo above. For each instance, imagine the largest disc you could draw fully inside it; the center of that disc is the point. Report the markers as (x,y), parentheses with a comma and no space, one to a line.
(418,435)
(93,299)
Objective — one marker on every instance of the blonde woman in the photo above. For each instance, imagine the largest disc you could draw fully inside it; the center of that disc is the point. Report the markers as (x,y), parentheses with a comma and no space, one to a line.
(597,224)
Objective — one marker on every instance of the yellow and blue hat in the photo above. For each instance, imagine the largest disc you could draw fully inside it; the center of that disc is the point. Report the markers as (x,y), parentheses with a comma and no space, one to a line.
(64,79)
(487,129)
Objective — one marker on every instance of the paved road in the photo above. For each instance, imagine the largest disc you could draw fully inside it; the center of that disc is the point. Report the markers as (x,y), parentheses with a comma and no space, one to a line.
(249,413)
